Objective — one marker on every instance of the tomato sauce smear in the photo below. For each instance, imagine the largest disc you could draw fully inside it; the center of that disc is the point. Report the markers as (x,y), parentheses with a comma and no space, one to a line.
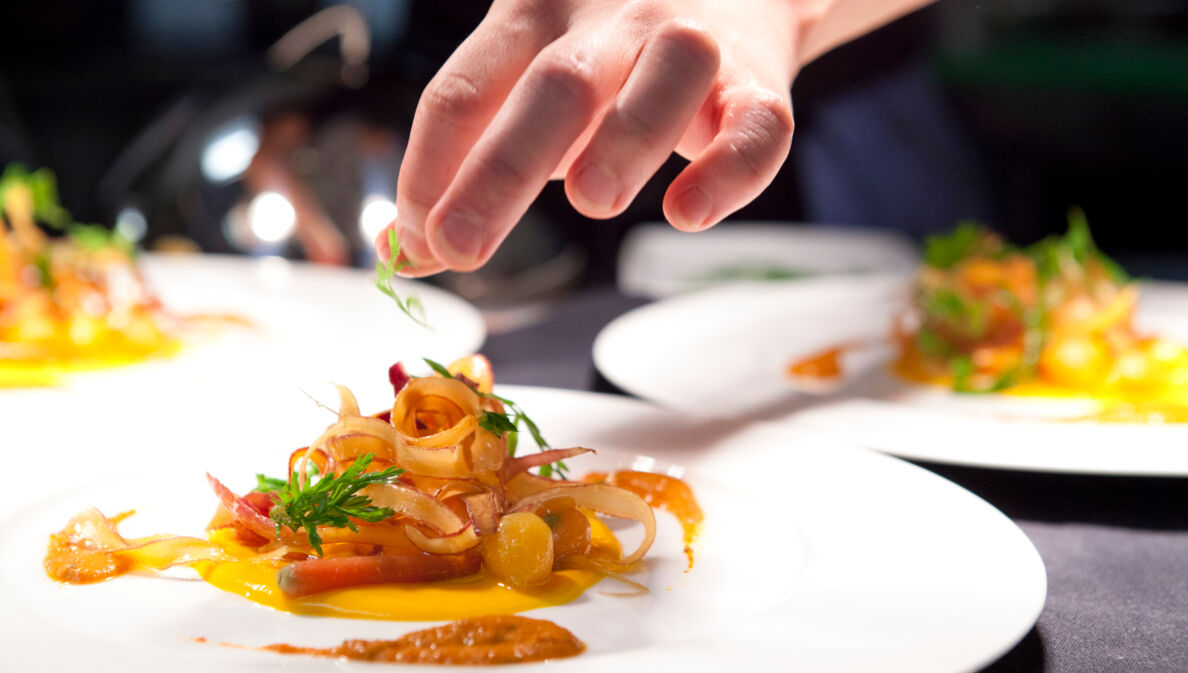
(491,639)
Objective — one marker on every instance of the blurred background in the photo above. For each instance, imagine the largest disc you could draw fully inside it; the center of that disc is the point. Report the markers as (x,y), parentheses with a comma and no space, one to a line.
(276,127)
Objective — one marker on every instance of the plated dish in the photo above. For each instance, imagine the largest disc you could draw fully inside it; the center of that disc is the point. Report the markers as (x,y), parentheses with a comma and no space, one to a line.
(1054,319)
(664,351)
(657,261)
(76,301)
(423,511)
(84,300)
(870,550)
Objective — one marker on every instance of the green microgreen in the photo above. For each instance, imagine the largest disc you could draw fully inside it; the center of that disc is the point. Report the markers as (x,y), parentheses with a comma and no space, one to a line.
(506,423)
(385,273)
(96,237)
(945,251)
(42,187)
(333,500)
(933,344)
(950,307)
(1076,247)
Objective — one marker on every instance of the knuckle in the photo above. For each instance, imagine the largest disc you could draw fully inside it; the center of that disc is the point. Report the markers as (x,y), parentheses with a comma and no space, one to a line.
(529,19)
(452,95)
(568,78)
(765,135)
(646,13)
(771,116)
(687,42)
(638,126)
(499,173)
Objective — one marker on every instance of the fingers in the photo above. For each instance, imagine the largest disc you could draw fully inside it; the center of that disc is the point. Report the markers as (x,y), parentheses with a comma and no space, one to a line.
(672,77)
(452,114)
(754,136)
(557,99)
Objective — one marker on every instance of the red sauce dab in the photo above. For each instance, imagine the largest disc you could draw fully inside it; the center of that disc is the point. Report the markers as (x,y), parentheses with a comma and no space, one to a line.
(493,639)
(664,492)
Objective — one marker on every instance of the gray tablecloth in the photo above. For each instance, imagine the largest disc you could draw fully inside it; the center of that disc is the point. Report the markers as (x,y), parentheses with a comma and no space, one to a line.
(1116,549)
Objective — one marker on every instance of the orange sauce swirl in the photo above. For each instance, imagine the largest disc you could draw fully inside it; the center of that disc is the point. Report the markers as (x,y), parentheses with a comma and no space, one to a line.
(824,365)
(664,492)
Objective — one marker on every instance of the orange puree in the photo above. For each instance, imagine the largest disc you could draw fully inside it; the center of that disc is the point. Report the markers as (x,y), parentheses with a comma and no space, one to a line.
(491,639)
(659,490)
(823,365)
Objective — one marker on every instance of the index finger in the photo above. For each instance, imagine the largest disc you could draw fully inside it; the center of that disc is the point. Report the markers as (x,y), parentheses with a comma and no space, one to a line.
(452,114)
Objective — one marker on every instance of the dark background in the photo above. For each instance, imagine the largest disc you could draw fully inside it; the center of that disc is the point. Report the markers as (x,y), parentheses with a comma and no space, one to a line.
(1009,112)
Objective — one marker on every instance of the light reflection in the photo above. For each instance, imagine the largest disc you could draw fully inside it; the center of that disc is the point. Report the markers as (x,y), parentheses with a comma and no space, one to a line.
(230,150)
(131,224)
(271,217)
(377,213)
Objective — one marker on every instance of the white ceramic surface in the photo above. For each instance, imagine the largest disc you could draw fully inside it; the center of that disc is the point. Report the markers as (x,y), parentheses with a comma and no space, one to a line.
(656,260)
(723,353)
(235,388)
(813,556)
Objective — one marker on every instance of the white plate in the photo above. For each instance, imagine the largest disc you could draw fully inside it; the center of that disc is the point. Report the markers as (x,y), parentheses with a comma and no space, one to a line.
(723,353)
(313,318)
(656,260)
(813,556)
(309,323)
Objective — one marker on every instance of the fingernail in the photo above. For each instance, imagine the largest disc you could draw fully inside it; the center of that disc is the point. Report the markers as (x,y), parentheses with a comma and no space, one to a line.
(461,236)
(598,187)
(694,208)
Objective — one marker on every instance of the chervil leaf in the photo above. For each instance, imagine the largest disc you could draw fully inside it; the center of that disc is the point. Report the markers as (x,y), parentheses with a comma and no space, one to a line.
(962,369)
(266,484)
(496,423)
(500,424)
(385,273)
(439,368)
(1075,248)
(945,251)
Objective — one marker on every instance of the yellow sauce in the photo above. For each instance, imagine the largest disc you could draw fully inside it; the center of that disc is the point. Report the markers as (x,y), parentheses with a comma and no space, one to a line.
(1137,404)
(471,596)
(44,373)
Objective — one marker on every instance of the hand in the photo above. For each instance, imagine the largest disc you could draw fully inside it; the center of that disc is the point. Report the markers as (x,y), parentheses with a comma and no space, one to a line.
(600,93)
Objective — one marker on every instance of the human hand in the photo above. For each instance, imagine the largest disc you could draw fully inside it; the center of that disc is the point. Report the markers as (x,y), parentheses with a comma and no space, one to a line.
(600,93)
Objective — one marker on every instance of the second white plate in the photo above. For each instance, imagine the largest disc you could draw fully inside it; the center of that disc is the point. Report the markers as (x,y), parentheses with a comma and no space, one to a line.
(723,353)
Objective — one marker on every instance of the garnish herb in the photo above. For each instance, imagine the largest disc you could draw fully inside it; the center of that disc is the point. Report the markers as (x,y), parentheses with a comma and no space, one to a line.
(33,196)
(1076,247)
(951,307)
(1053,257)
(42,189)
(95,237)
(498,424)
(945,251)
(331,501)
(266,484)
(385,272)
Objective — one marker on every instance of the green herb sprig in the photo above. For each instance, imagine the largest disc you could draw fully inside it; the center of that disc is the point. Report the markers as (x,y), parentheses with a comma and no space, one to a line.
(499,424)
(944,251)
(333,500)
(42,187)
(385,272)
(1077,247)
